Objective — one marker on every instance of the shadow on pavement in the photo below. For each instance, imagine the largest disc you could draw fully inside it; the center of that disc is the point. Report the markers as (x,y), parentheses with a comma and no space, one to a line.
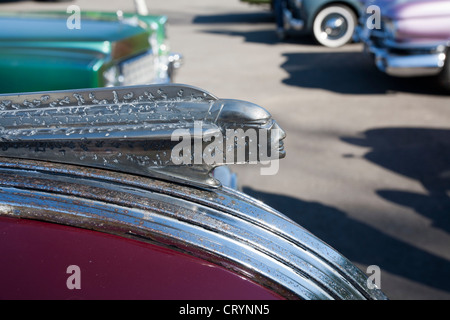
(421,154)
(362,243)
(262,36)
(244,17)
(266,36)
(349,72)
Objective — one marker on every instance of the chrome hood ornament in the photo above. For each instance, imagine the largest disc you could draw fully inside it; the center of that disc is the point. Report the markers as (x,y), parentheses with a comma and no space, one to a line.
(173,132)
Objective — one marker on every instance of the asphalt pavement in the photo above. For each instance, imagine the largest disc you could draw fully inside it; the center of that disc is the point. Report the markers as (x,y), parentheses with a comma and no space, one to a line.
(368,156)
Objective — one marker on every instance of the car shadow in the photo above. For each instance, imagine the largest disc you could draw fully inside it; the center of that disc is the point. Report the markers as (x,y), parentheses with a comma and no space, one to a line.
(360,242)
(421,154)
(265,36)
(233,18)
(260,20)
(349,72)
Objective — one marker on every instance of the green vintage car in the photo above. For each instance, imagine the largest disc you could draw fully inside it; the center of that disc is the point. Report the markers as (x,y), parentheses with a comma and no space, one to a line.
(41,51)
(331,22)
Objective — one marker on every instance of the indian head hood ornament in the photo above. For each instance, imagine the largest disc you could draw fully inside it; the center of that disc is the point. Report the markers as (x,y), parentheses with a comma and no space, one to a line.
(173,132)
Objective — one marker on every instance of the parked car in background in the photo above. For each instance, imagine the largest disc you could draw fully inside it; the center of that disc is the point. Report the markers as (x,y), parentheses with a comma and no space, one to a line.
(413,39)
(93,204)
(38,51)
(331,22)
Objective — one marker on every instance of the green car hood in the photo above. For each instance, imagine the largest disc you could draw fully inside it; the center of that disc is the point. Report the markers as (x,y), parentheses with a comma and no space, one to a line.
(37,48)
(19,29)
(28,29)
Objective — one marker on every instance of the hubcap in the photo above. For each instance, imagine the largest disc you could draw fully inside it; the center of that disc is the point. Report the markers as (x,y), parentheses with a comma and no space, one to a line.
(334,26)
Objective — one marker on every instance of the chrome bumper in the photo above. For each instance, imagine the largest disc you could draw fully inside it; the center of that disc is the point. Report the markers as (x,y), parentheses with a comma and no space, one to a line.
(412,61)
(290,23)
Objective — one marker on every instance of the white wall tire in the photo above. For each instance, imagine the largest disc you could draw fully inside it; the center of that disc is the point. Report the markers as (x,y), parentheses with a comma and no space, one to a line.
(334,26)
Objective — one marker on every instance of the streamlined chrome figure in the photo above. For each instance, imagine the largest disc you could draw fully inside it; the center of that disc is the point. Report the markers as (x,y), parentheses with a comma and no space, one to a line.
(175,132)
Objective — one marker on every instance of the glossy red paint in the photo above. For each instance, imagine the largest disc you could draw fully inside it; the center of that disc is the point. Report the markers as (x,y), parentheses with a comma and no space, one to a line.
(36,255)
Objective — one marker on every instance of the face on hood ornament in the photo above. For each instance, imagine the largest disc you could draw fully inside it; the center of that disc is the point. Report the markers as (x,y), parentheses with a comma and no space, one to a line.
(173,132)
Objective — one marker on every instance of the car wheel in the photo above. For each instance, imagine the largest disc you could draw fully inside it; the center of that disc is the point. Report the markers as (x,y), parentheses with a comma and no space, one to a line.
(334,26)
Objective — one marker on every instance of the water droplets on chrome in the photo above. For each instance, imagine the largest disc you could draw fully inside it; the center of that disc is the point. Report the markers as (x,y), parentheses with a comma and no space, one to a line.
(125,128)
(87,113)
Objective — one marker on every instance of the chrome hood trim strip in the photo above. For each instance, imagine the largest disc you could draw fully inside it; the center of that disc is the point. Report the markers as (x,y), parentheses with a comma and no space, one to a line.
(223,226)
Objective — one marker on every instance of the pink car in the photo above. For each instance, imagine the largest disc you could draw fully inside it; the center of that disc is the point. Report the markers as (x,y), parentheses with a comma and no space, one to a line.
(411,39)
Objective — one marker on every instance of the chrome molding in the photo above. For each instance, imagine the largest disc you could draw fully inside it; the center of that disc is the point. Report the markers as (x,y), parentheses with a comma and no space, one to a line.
(222,225)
